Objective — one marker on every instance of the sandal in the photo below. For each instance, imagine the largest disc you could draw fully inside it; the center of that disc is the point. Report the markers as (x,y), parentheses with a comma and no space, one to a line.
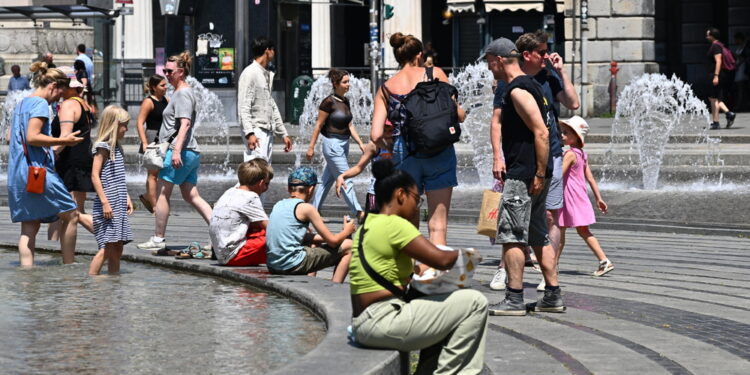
(184,255)
(164,252)
(146,203)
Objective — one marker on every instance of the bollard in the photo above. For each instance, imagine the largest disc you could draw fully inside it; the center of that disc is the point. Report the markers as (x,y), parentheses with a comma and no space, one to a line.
(613,86)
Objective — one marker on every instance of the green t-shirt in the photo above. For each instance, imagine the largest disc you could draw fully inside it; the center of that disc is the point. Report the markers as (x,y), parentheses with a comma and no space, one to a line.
(386,236)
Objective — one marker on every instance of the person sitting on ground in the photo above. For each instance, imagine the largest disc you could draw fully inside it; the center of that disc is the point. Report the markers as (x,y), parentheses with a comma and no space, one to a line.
(449,328)
(238,225)
(292,249)
(372,153)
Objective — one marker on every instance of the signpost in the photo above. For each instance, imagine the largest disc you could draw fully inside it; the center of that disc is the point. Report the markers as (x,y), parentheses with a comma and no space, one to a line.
(124,11)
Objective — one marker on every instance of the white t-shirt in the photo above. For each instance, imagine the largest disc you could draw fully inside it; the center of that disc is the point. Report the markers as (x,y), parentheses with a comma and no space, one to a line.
(231,218)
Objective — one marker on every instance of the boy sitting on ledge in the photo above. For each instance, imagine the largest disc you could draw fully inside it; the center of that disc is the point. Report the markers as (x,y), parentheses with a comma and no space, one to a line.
(238,224)
(292,249)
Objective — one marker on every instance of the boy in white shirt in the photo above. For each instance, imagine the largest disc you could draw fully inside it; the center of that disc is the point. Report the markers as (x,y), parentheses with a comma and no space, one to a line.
(238,224)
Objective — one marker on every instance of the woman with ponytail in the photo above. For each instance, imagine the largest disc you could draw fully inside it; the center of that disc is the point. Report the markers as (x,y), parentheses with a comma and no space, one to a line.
(449,329)
(31,146)
(435,175)
(183,158)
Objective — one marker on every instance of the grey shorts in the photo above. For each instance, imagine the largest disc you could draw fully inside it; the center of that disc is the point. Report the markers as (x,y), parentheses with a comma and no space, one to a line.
(555,193)
(523,217)
(316,259)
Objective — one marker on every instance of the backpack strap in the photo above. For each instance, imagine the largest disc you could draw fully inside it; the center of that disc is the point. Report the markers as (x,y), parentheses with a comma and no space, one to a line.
(428,73)
(378,278)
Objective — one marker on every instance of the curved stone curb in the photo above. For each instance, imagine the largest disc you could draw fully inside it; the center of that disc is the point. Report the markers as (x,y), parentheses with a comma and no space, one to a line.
(329,301)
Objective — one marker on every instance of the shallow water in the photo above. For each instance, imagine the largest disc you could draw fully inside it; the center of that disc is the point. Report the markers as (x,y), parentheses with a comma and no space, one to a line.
(148,320)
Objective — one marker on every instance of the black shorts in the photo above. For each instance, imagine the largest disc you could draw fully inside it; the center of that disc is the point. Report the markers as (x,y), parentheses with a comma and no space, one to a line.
(725,83)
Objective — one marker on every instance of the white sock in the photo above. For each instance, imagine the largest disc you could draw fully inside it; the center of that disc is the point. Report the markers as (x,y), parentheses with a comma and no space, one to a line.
(157,239)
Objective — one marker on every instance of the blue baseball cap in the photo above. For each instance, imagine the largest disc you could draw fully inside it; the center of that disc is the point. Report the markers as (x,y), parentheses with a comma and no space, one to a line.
(302,176)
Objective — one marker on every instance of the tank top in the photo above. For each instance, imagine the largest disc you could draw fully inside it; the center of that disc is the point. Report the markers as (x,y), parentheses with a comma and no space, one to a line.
(396,110)
(339,115)
(284,236)
(79,155)
(154,118)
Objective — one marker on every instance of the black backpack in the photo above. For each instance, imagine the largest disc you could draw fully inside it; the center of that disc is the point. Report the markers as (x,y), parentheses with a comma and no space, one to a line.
(431,124)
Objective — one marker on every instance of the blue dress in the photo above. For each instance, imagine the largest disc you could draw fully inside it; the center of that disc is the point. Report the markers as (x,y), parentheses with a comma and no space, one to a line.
(56,199)
(116,229)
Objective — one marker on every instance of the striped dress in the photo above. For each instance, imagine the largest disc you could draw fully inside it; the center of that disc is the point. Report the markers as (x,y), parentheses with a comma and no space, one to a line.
(115,188)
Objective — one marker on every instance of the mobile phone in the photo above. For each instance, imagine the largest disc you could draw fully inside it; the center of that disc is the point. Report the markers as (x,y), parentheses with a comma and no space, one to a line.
(83,133)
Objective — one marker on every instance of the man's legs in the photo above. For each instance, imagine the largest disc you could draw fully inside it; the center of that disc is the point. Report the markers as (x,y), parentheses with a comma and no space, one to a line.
(264,150)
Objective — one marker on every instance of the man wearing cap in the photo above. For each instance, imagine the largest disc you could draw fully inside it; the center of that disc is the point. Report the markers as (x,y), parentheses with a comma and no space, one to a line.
(525,174)
(547,69)
(291,250)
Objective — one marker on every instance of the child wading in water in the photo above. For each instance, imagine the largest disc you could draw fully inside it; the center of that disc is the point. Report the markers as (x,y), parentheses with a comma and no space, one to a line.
(577,211)
(112,204)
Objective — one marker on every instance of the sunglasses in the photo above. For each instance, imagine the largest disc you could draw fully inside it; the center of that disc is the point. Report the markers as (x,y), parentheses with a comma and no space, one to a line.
(416,196)
(542,52)
(169,71)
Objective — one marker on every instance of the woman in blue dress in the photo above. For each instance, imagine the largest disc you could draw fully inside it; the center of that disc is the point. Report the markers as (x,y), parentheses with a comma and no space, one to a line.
(31,145)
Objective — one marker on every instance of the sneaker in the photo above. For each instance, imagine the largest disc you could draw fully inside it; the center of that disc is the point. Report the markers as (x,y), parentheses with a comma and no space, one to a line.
(714,125)
(551,302)
(730,119)
(542,284)
(499,280)
(152,245)
(604,267)
(512,305)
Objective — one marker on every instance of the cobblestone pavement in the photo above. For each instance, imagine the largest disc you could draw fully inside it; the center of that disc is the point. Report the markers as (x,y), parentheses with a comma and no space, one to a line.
(675,304)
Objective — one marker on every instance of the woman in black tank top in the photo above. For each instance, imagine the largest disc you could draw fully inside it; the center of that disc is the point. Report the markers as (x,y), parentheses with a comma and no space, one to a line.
(335,125)
(149,123)
(73,163)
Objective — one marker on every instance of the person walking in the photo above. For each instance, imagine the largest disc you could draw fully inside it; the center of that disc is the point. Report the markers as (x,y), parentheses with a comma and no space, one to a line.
(183,159)
(449,329)
(435,174)
(31,146)
(521,216)
(112,204)
(17,82)
(83,77)
(151,115)
(73,163)
(259,116)
(335,126)
(741,73)
(577,211)
(721,79)
(82,56)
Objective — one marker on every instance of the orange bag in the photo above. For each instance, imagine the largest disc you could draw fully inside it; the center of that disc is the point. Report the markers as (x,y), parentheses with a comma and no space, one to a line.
(35,183)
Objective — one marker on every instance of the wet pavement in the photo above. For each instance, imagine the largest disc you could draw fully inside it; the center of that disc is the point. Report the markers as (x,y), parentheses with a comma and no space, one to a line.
(675,303)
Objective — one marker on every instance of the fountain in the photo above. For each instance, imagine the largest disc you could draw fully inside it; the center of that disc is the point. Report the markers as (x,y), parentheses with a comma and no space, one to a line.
(651,110)
(6,112)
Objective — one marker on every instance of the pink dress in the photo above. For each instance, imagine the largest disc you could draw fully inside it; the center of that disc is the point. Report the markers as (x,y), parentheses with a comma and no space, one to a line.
(577,210)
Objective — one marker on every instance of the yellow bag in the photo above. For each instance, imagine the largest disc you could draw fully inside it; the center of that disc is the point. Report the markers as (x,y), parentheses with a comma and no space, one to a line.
(487,225)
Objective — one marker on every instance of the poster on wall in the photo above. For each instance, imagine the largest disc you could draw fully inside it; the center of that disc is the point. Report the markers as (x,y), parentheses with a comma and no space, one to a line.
(226,58)
(214,60)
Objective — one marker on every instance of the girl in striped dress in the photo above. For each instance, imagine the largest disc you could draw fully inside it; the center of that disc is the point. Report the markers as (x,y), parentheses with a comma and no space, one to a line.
(112,204)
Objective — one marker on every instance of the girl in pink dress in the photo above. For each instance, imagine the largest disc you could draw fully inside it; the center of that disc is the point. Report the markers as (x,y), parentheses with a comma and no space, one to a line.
(577,211)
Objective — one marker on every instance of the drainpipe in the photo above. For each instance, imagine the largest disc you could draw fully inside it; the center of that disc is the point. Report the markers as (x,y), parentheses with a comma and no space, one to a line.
(613,69)
(584,56)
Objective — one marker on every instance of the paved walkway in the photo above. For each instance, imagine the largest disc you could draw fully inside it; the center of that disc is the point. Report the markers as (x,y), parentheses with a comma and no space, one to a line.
(675,304)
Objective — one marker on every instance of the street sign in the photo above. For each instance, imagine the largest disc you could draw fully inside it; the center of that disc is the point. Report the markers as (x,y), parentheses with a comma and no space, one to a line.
(126,11)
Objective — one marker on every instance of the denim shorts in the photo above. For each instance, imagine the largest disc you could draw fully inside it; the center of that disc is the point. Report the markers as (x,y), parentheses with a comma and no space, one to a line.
(432,172)
(522,217)
(191,161)
(555,193)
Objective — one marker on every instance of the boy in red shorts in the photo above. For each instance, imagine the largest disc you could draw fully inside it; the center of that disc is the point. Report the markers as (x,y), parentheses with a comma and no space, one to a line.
(238,224)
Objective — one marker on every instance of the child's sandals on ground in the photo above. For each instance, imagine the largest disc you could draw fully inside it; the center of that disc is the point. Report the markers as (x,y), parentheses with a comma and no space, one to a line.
(194,250)
(604,267)
(164,252)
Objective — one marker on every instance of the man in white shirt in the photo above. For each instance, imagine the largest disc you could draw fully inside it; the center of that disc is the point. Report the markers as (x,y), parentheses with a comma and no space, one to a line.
(258,114)
(81,50)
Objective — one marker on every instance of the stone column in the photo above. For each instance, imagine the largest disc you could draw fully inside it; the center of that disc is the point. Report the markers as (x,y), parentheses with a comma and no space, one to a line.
(139,33)
(619,30)
(321,37)
(407,18)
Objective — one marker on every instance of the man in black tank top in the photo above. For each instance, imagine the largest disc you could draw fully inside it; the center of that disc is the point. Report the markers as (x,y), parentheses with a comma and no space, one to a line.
(522,217)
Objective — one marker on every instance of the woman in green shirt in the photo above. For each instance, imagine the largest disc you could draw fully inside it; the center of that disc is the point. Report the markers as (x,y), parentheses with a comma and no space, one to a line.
(449,329)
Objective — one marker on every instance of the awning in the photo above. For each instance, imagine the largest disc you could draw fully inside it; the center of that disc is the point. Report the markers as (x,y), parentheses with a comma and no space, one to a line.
(73,12)
(501,5)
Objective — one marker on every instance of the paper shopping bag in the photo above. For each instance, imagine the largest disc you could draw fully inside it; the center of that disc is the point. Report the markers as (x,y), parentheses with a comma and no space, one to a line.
(487,225)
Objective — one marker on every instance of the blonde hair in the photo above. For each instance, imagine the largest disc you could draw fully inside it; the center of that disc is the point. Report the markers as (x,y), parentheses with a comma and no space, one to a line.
(112,116)
(251,172)
(43,75)
(183,60)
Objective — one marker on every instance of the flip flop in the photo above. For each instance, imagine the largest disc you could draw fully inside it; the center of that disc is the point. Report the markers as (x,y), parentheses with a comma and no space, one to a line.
(164,252)
(184,255)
